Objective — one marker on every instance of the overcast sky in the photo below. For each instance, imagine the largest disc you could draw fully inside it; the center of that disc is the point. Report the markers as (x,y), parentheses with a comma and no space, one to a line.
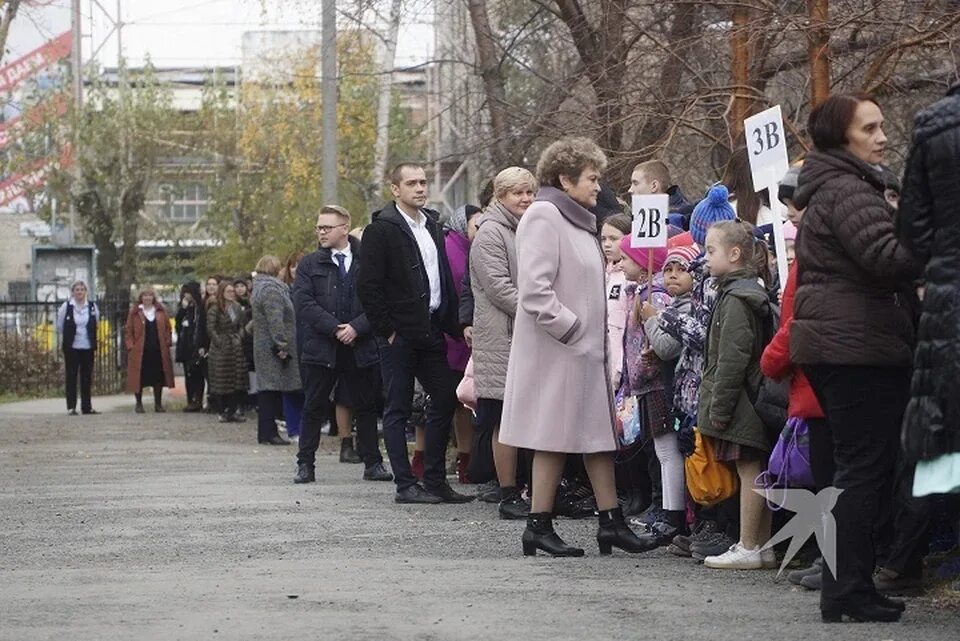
(178,33)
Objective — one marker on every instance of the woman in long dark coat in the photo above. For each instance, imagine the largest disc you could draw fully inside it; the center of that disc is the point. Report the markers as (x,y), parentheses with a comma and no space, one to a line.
(226,363)
(190,324)
(148,340)
(929,223)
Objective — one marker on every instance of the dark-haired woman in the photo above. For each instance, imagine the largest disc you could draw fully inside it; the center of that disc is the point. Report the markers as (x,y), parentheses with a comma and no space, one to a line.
(853,333)
(190,324)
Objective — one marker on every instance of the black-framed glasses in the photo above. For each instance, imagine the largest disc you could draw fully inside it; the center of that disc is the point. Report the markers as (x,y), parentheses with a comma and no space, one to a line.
(323,229)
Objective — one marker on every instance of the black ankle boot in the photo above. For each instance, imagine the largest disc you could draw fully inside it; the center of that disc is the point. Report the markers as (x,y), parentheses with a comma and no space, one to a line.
(614,533)
(539,535)
(862,612)
(886,602)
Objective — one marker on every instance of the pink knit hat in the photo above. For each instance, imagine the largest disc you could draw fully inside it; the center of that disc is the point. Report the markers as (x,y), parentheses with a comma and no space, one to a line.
(684,255)
(641,255)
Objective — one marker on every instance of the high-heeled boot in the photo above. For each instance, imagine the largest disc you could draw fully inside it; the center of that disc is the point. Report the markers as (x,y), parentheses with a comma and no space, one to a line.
(614,533)
(539,535)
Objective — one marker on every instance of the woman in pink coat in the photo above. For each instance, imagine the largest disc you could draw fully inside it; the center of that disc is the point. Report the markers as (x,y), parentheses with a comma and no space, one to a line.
(558,398)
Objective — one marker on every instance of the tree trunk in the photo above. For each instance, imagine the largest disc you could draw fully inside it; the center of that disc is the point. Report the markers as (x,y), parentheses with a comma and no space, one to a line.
(740,69)
(679,42)
(9,13)
(384,101)
(493,82)
(818,36)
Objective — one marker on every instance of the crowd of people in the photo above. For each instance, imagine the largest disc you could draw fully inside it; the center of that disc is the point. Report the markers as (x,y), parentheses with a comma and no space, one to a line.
(593,369)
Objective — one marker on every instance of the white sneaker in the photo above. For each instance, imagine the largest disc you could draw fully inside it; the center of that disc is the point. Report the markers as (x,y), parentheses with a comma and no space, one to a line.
(736,558)
(769,559)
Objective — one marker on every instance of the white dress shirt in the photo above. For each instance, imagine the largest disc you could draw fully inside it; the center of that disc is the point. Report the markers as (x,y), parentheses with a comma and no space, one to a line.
(346,252)
(428,251)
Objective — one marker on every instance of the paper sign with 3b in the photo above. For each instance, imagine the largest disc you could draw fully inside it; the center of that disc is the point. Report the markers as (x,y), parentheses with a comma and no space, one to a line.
(650,224)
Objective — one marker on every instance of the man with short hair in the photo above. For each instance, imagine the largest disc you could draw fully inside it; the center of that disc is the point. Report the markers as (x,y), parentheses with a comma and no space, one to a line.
(653,177)
(407,290)
(336,345)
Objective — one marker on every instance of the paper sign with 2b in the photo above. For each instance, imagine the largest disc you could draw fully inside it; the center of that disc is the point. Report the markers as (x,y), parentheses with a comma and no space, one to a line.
(650,224)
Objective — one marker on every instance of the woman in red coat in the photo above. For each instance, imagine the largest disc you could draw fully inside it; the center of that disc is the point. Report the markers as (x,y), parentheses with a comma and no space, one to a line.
(147,337)
(776,364)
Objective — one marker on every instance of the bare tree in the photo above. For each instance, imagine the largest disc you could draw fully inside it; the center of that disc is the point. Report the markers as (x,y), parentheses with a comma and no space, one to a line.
(9,9)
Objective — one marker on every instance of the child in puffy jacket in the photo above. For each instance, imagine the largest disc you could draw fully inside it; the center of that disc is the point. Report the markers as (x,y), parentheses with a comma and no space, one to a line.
(731,378)
(642,379)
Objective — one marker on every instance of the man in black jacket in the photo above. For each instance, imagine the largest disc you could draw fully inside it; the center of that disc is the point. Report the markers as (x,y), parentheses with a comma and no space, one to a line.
(407,290)
(335,343)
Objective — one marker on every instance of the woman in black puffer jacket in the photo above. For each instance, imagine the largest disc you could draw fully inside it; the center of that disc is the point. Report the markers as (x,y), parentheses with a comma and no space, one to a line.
(853,333)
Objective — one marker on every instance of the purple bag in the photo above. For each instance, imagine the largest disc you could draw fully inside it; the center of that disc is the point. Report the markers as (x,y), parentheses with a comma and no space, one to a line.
(789,464)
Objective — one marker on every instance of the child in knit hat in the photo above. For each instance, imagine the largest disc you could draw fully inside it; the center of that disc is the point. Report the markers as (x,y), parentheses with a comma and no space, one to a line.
(714,208)
(642,384)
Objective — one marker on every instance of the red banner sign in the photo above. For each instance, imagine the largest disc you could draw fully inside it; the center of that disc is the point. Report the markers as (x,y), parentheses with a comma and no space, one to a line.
(13,74)
(33,177)
(55,107)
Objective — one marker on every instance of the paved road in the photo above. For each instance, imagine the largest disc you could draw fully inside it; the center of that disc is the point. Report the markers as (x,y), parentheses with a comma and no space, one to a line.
(175,527)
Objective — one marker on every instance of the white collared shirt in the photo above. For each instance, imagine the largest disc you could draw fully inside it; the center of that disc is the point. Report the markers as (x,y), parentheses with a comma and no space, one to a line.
(346,252)
(428,251)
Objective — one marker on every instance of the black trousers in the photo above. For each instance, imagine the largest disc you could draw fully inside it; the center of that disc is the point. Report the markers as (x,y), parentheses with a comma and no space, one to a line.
(361,384)
(194,382)
(269,409)
(400,364)
(821,452)
(864,407)
(79,364)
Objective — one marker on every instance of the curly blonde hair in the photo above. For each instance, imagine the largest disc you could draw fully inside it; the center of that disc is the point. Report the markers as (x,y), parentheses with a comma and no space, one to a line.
(569,157)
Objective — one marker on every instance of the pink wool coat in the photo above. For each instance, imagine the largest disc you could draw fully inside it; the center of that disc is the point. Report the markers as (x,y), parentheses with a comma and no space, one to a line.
(558,396)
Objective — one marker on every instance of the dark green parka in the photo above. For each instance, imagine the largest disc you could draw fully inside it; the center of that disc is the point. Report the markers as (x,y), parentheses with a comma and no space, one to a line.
(731,374)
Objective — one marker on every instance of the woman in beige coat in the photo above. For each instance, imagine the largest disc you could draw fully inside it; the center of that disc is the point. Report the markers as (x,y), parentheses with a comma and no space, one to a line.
(493,273)
(558,397)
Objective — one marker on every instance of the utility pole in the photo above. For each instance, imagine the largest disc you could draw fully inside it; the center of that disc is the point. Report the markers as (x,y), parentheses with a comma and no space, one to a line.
(76,66)
(328,88)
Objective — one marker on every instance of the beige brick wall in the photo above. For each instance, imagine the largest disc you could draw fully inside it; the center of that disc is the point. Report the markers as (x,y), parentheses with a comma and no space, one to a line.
(15,250)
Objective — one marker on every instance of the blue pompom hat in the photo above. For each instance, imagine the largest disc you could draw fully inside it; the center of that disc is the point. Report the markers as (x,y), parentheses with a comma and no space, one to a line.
(714,208)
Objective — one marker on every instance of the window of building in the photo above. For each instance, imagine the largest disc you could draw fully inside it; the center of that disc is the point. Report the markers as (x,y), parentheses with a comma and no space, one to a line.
(184,203)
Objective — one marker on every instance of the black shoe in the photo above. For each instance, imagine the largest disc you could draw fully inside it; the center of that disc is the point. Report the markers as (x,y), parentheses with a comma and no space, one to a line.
(377,472)
(812,581)
(614,532)
(72,413)
(138,409)
(512,506)
(416,494)
(672,526)
(489,492)
(347,453)
(305,474)
(631,502)
(887,602)
(702,531)
(860,612)
(448,495)
(159,409)
(716,545)
(276,440)
(90,412)
(223,418)
(539,535)
(574,501)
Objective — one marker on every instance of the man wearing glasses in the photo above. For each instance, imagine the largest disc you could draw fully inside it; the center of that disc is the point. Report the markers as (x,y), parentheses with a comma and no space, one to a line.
(407,291)
(336,346)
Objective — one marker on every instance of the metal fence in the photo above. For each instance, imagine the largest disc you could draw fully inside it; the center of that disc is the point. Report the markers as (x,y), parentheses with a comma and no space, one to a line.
(31,357)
